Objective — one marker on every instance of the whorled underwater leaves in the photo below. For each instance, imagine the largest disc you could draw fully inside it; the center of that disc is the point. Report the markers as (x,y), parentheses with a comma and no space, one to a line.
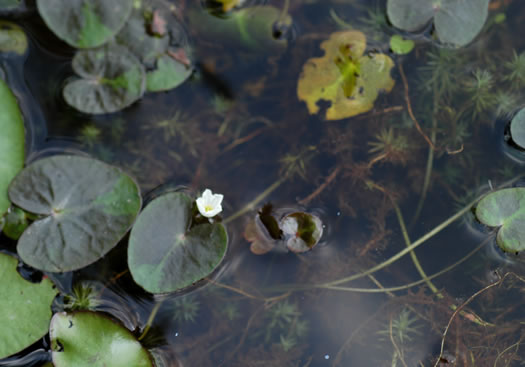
(344,76)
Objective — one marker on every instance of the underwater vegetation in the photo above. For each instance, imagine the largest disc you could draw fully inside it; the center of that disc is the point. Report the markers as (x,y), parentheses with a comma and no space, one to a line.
(369,154)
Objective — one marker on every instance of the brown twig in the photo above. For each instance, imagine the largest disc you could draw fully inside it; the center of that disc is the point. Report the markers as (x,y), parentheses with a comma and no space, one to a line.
(321,188)
(460,308)
(409,107)
(244,139)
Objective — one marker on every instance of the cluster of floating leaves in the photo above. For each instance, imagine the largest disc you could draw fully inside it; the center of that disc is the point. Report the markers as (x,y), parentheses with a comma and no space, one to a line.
(126,48)
(283,230)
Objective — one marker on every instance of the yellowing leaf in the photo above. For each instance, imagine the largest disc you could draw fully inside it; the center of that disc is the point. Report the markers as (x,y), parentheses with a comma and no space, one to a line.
(344,76)
(228,5)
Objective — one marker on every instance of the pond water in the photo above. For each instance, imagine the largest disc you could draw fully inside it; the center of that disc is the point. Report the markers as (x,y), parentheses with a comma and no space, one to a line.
(407,170)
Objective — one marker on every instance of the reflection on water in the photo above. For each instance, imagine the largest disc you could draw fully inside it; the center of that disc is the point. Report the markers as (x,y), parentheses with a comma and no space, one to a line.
(377,182)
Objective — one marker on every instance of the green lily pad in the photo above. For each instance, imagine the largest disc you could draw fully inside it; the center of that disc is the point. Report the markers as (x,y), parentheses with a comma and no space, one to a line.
(12,38)
(85,23)
(166,253)
(456,22)
(156,51)
(9,4)
(92,340)
(302,231)
(12,142)
(169,74)
(401,46)
(25,308)
(517,128)
(250,27)
(85,208)
(505,209)
(112,79)
(344,76)
(15,223)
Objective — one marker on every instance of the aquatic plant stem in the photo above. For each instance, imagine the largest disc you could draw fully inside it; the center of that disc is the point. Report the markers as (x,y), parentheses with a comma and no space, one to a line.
(252,204)
(413,284)
(409,108)
(412,253)
(150,320)
(407,250)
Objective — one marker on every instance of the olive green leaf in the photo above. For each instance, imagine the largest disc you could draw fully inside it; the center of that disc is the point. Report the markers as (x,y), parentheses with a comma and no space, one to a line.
(85,207)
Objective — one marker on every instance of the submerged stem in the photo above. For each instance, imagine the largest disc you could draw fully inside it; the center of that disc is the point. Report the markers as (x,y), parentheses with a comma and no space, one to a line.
(413,254)
(251,205)
(407,250)
(150,320)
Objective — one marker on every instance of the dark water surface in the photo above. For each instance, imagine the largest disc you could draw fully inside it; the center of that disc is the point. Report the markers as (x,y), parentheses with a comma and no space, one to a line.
(237,127)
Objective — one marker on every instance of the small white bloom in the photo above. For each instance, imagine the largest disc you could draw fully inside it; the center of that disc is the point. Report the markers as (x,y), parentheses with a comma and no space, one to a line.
(289,226)
(209,204)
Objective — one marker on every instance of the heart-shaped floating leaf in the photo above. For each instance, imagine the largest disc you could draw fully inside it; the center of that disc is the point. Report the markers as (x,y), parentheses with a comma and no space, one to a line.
(399,45)
(165,253)
(302,231)
(7,5)
(457,22)
(112,79)
(12,142)
(505,209)
(517,128)
(169,73)
(156,45)
(85,23)
(85,208)
(344,76)
(12,38)
(25,308)
(90,339)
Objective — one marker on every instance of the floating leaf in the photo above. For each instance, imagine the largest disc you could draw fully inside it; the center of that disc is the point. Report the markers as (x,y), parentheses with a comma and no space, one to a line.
(12,38)
(168,75)
(517,128)
(7,6)
(154,49)
(25,308)
(505,209)
(227,5)
(344,76)
(15,223)
(400,46)
(112,79)
(90,339)
(251,27)
(85,23)
(457,22)
(166,253)
(302,231)
(263,231)
(12,142)
(85,208)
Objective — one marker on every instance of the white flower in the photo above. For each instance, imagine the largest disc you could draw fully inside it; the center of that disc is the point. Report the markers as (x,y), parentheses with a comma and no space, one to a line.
(209,204)
(289,226)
